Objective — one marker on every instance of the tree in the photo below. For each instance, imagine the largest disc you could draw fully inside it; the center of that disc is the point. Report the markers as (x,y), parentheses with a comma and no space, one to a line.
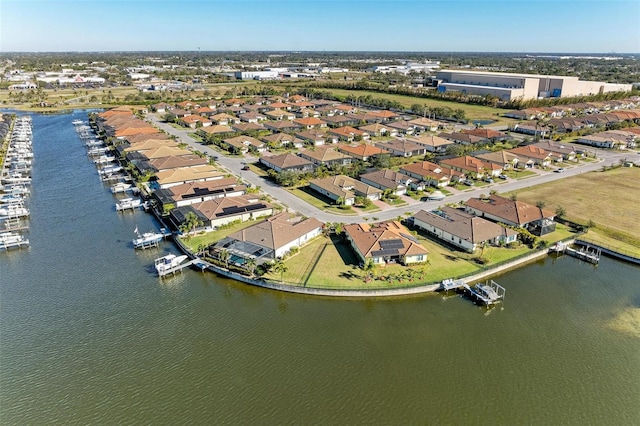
(190,223)
(224,255)
(251,265)
(560,211)
(280,266)
(540,204)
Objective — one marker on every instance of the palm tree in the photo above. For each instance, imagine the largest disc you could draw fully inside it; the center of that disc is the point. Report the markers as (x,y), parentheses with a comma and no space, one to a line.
(280,266)
(251,264)
(224,255)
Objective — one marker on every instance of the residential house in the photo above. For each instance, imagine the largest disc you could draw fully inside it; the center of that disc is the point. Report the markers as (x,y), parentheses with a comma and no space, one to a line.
(216,130)
(388,180)
(344,189)
(348,133)
(194,121)
(423,124)
(504,159)
(536,220)
(287,163)
(402,148)
(463,138)
(316,138)
(378,129)
(270,239)
(310,123)
(487,134)
(224,119)
(566,152)
(472,166)
(531,155)
(174,177)
(221,211)
(247,127)
(327,156)
(172,162)
(385,115)
(252,117)
(244,144)
(281,126)
(361,151)
(401,127)
(279,115)
(432,143)
(196,192)
(433,174)
(461,229)
(385,242)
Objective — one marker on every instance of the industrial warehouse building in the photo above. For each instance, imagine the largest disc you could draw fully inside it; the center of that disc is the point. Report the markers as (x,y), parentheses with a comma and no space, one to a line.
(507,86)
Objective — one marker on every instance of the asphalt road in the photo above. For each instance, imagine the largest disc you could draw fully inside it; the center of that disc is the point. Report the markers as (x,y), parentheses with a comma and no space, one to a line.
(234,165)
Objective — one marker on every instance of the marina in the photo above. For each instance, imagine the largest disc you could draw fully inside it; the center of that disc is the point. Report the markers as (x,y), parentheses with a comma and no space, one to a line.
(15,182)
(128,204)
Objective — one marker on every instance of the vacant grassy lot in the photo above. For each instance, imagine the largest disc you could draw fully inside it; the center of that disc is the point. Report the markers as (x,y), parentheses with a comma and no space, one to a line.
(610,199)
(473,112)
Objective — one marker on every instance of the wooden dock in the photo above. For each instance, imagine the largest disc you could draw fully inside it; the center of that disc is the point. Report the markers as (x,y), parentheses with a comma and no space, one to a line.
(487,294)
(451,284)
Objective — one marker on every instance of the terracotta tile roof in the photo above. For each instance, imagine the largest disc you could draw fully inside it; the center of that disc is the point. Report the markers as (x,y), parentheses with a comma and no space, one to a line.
(216,129)
(361,150)
(472,164)
(188,174)
(150,144)
(324,154)
(309,121)
(367,238)
(176,162)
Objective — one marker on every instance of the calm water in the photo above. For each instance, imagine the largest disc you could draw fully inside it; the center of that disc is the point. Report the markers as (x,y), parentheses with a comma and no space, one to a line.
(89,334)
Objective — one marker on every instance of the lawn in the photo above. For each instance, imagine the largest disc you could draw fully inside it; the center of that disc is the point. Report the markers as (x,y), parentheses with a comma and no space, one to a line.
(317,200)
(195,241)
(331,263)
(609,199)
(473,112)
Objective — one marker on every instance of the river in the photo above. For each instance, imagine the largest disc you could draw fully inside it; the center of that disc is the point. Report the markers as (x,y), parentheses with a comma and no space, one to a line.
(89,334)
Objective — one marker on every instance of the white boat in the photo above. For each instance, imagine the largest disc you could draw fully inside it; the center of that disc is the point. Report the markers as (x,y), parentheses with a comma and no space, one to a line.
(77,122)
(128,203)
(109,170)
(148,239)
(12,239)
(17,178)
(166,264)
(16,189)
(14,211)
(121,187)
(104,159)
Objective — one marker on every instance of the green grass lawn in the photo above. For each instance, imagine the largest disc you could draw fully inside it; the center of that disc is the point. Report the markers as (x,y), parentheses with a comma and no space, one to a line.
(317,200)
(195,241)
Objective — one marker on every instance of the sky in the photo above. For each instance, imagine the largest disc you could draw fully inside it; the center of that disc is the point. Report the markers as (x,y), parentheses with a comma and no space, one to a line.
(558,26)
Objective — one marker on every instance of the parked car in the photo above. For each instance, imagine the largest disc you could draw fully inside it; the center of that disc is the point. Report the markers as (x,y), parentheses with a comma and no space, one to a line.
(246,168)
(488,179)
(468,182)
(502,176)
(560,170)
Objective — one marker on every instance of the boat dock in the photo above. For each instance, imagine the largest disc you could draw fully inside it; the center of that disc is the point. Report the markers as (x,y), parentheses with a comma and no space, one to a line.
(586,253)
(176,269)
(12,240)
(487,294)
(128,204)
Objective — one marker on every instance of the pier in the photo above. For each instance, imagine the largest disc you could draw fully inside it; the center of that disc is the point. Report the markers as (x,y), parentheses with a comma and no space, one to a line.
(486,294)
(586,253)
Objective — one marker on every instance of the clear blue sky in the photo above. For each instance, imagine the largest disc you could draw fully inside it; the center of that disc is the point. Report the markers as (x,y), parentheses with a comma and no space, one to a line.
(384,25)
